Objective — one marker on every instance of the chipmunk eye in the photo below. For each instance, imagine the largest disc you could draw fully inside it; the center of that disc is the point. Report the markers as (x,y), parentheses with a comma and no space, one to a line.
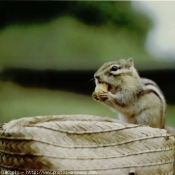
(114,68)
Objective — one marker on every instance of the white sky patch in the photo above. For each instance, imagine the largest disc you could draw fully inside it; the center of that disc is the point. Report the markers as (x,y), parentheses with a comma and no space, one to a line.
(161,38)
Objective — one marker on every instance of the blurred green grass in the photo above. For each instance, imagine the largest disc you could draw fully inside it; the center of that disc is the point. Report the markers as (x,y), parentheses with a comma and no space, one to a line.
(170,115)
(17,102)
(66,43)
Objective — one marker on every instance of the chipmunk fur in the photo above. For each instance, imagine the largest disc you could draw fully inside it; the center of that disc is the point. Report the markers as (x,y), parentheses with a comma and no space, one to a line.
(136,100)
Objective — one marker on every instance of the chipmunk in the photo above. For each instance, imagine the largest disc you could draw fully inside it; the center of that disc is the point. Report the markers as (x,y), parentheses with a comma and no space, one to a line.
(136,100)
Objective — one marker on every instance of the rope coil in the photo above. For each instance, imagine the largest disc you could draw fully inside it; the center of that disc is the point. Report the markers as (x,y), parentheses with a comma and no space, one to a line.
(85,143)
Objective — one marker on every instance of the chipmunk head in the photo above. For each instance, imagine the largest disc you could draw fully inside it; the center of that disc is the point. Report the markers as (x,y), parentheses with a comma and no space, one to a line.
(114,73)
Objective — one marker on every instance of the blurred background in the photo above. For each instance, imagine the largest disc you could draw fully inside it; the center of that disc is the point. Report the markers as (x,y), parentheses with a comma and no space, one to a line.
(49,52)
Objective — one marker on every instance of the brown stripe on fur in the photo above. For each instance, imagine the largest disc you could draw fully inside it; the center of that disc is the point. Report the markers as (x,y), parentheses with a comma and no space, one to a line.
(121,104)
(162,118)
(141,93)
(126,73)
(150,90)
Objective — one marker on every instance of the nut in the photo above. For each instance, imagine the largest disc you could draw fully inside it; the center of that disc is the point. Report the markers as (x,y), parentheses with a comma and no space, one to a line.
(99,89)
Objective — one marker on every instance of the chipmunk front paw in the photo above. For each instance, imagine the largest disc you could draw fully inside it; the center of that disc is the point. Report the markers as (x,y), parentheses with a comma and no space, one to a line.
(95,96)
(103,96)
(100,97)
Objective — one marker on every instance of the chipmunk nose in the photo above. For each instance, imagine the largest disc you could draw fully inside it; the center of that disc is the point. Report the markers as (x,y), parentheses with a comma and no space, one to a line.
(97,77)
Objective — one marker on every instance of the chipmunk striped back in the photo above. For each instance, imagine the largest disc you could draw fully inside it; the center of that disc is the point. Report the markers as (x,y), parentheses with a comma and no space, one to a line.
(152,87)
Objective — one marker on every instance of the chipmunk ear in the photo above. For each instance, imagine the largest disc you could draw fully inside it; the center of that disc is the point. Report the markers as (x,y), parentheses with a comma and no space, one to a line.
(129,62)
